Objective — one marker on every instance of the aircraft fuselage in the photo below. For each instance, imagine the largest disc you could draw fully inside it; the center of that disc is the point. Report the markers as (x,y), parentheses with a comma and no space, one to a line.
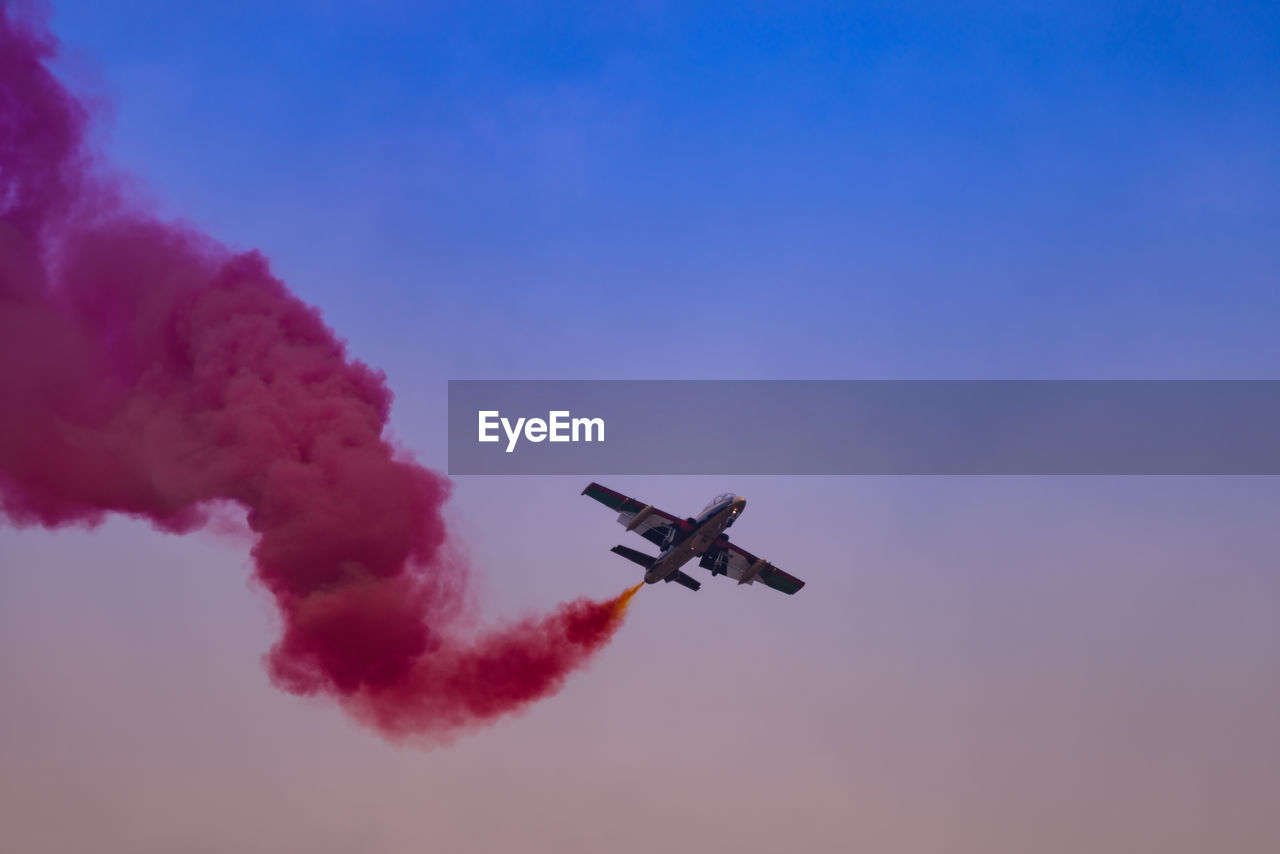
(704,531)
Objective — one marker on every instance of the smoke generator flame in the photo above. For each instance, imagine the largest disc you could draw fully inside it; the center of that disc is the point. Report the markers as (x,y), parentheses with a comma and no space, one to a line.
(147,370)
(621,604)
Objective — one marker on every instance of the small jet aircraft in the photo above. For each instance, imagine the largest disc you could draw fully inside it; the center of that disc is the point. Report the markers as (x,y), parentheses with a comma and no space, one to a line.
(681,540)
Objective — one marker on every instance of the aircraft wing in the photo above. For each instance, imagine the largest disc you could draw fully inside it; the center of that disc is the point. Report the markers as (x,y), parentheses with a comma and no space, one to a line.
(654,525)
(745,568)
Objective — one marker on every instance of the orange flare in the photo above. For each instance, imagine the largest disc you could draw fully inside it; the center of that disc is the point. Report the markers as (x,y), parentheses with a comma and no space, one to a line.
(620,604)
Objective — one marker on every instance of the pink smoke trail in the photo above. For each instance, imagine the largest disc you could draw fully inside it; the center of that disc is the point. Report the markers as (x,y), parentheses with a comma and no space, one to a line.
(147,370)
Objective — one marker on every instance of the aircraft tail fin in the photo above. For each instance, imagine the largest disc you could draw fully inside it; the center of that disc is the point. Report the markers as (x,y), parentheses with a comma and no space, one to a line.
(634,556)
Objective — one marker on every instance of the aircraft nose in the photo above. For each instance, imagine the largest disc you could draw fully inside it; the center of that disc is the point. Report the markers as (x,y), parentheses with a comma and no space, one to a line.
(740,503)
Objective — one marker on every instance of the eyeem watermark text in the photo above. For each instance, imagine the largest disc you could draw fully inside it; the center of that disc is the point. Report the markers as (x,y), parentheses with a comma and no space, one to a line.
(559,426)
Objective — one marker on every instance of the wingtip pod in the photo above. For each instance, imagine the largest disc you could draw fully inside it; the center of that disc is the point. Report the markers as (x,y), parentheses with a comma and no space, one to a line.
(755,569)
(638,519)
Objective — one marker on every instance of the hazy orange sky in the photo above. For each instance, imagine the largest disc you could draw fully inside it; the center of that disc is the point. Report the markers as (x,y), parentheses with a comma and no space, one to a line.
(978,664)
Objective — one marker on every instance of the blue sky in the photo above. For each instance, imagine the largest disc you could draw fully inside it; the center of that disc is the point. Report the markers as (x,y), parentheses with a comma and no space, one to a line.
(889,191)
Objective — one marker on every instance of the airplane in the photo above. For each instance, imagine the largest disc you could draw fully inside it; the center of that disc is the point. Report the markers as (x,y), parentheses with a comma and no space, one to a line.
(681,540)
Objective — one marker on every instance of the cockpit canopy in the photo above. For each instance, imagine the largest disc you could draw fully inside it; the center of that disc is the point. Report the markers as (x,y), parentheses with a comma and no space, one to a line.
(719,499)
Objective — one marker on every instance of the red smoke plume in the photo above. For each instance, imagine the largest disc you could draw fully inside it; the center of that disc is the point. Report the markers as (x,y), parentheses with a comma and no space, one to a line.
(147,370)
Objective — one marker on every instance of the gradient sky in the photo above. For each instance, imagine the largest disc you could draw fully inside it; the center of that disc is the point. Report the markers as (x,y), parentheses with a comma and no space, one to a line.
(654,191)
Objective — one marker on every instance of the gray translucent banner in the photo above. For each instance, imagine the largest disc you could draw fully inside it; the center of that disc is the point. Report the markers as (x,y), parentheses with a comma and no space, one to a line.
(933,427)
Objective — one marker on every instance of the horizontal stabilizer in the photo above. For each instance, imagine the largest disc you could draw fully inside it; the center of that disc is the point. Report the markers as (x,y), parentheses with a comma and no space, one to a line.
(680,578)
(634,556)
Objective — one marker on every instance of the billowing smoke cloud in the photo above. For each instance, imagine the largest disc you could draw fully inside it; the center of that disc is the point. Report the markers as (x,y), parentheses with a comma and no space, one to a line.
(147,370)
